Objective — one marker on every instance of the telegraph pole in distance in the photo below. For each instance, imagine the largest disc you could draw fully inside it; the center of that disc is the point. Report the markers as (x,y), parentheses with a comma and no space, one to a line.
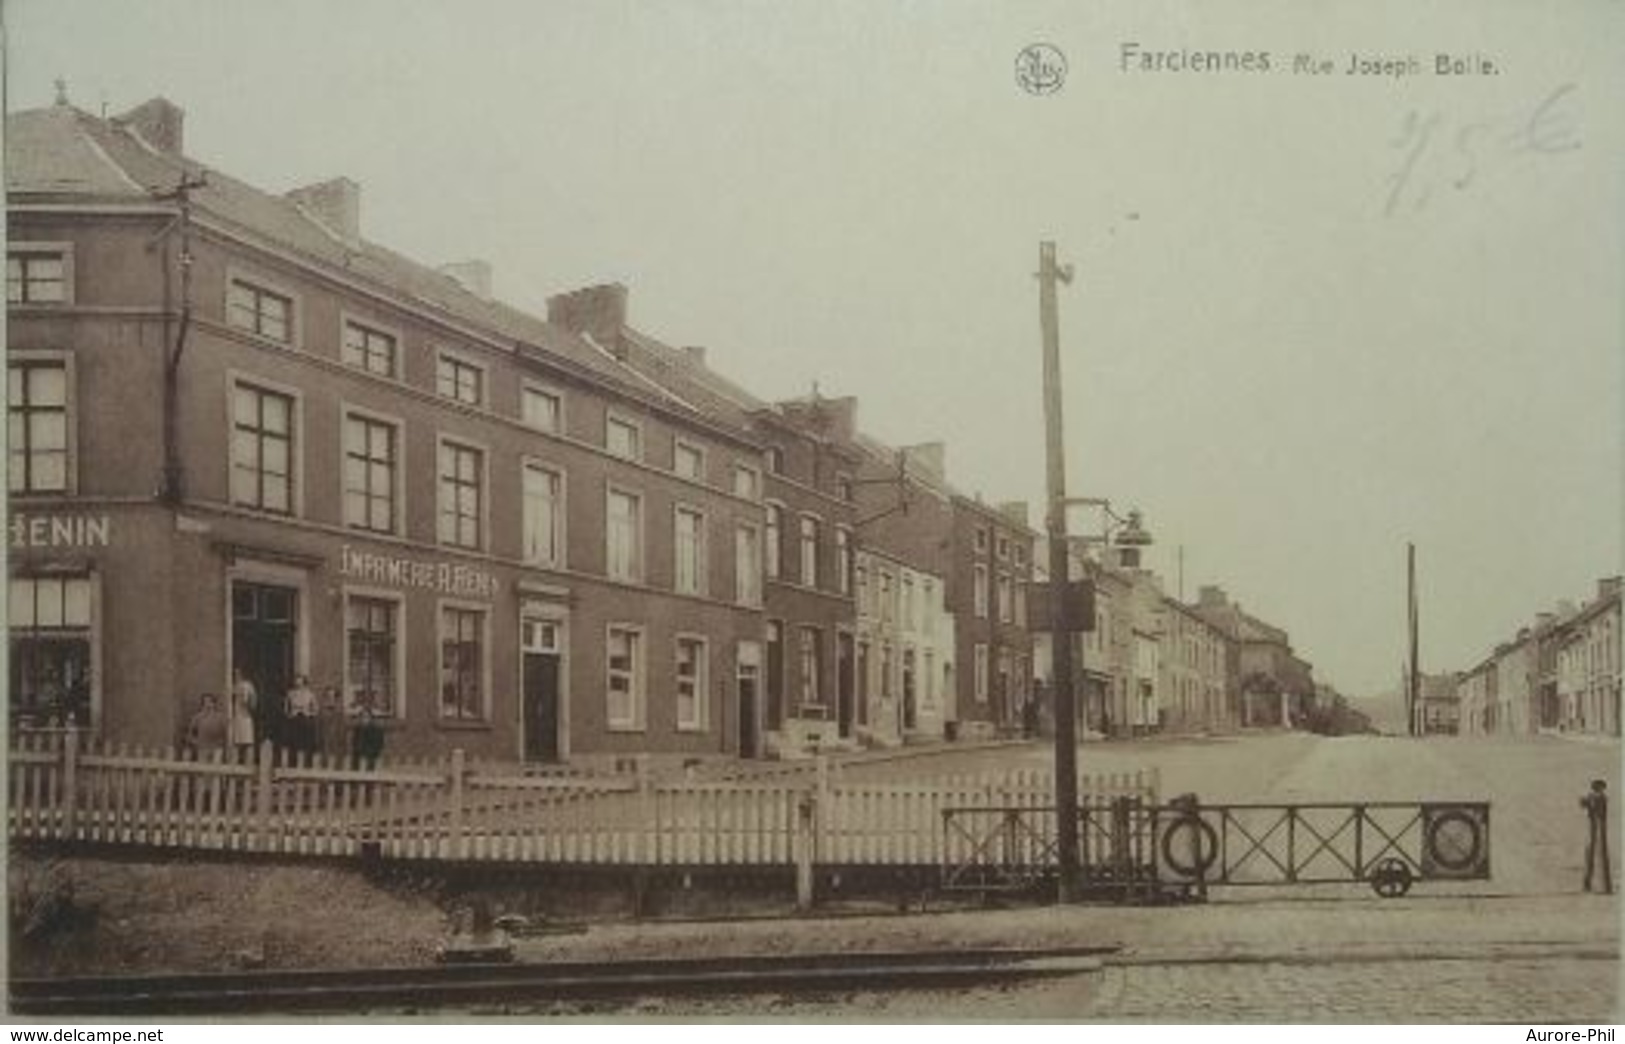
(1066,712)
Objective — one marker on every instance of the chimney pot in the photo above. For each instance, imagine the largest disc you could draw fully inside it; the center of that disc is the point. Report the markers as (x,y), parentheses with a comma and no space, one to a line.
(159,122)
(598,312)
(336,203)
(473,275)
(696,354)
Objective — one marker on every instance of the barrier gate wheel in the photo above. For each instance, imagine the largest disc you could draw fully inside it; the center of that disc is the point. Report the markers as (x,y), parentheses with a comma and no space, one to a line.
(1391,878)
(1189,846)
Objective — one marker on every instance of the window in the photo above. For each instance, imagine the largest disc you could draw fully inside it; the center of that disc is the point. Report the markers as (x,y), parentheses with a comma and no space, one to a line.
(981,541)
(775,460)
(459,380)
(747,566)
(624,690)
(1021,605)
(747,482)
(809,551)
(691,686)
(544,516)
(885,671)
(775,540)
(1006,605)
(370,349)
(51,637)
(928,679)
(689,461)
(690,551)
(887,609)
(625,536)
(541,409)
(371,636)
(844,488)
(775,673)
(843,560)
(462,664)
(262,449)
(979,590)
(370,455)
(260,311)
(908,602)
(980,679)
(1020,554)
(462,494)
(623,439)
(37,413)
(928,623)
(811,665)
(39,275)
(1003,689)
(1003,546)
(860,582)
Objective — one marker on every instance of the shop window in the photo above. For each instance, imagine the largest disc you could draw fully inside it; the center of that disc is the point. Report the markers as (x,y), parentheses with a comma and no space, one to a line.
(51,650)
(372,634)
(462,664)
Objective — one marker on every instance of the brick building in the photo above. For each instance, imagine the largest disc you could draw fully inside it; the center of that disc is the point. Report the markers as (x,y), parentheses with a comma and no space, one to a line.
(243,436)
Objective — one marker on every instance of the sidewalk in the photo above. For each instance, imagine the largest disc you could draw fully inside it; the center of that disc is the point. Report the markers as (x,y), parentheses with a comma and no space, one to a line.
(1347,927)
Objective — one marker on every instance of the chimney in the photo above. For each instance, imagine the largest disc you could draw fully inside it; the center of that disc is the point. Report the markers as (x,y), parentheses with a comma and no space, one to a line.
(473,276)
(931,457)
(158,122)
(1210,596)
(1015,511)
(598,312)
(842,417)
(1608,587)
(695,353)
(336,203)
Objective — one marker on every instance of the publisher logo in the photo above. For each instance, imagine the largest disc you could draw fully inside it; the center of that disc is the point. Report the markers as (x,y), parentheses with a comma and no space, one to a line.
(1040,69)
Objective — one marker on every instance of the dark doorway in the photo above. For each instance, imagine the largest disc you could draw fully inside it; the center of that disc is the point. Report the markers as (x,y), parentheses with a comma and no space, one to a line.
(264,624)
(844,688)
(749,695)
(540,664)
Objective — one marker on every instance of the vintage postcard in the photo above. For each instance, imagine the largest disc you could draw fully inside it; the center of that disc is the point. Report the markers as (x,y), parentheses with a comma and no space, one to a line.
(815,511)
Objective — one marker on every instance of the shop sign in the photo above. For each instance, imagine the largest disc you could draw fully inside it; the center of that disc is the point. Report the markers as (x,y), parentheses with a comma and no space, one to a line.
(29,531)
(444,577)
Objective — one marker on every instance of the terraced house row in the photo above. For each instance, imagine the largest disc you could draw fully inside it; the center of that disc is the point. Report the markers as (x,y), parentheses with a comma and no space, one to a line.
(244,438)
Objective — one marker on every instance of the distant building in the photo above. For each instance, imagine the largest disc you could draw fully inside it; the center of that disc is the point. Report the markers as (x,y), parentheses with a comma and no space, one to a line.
(1269,684)
(1588,668)
(1195,654)
(905,652)
(1438,705)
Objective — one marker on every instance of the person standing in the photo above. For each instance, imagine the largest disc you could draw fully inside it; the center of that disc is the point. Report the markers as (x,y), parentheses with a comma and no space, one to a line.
(1596,806)
(301,709)
(208,731)
(332,729)
(245,701)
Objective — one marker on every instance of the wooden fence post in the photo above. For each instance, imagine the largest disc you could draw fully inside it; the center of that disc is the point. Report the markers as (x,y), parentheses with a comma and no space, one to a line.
(805,841)
(823,818)
(459,837)
(645,824)
(266,795)
(70,784)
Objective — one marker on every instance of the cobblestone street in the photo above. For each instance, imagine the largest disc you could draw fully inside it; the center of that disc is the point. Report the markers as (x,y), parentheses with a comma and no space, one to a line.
(1527,945)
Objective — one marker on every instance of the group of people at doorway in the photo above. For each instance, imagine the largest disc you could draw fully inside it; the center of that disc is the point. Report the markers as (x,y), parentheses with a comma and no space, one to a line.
(307,724)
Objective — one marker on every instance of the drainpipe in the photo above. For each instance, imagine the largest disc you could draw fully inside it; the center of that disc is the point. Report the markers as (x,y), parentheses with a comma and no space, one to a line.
(172,485)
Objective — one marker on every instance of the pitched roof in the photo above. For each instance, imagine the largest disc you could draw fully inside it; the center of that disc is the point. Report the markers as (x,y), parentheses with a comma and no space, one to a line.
(62,154)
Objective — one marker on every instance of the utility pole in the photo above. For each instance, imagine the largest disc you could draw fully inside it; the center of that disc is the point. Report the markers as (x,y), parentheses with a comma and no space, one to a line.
(1066,712)
(1412,680)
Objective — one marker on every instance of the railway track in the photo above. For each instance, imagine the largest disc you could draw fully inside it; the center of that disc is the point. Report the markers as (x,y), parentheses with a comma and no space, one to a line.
(427,988)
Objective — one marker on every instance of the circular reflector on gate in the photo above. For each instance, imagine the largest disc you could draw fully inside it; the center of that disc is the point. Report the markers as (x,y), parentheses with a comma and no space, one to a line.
(1455,842)
(1189,846)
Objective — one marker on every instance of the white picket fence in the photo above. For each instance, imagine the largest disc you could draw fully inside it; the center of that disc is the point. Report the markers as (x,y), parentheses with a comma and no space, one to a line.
(64,788)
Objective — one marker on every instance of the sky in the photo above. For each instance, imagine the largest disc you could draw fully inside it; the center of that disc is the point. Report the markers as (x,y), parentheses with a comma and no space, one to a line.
(1315,316)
